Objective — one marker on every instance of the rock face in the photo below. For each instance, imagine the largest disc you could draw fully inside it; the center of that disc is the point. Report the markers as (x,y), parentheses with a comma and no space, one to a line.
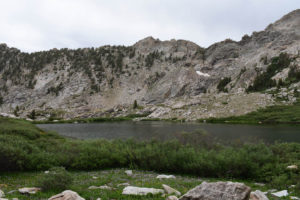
(218,190)
(131,190)
(168,79)
(66,195)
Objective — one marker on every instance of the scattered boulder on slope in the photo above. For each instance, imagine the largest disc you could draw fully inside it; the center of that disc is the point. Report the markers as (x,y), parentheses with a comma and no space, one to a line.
(67,195)
(172,198)
(1,193)
(131,190)
(170,190)
(27,190)
(162,176)
(218,190)
(282,193)
(129,172)
(292,167)
(258,195)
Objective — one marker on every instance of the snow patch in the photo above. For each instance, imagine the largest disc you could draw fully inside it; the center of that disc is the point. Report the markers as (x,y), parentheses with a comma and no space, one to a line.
(202,74)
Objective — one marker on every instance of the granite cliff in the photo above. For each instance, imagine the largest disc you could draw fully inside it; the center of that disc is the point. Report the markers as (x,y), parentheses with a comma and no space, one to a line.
(168,79)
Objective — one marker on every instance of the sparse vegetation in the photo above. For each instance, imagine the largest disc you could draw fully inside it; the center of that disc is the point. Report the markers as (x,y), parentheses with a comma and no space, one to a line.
(151,57)
(264,80)
(1,100)
(135,105)
(57,179)
(55,89)
(285,114)
(223,83)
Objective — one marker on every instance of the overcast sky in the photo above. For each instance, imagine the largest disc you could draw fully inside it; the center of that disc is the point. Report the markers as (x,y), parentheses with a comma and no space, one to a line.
(34,25)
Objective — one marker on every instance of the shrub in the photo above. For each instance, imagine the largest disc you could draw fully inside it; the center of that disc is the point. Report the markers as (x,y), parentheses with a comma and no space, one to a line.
(222,84)
(135,105)
(57,179)
(264,81)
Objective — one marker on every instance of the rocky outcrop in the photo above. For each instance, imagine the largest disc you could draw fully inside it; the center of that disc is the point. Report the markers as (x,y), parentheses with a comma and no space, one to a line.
(66,195)
(168,79)
(218,190)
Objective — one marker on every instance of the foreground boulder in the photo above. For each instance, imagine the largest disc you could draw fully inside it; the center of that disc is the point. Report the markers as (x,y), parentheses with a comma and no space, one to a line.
(131,190)
(258,195)
(218,191)
(67,195)
(27,190)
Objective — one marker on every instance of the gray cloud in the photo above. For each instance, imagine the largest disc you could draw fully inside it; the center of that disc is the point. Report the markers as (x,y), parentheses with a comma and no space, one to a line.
(35,25)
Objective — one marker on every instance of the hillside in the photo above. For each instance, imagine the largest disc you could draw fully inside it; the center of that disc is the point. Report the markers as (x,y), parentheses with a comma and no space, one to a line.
(168,79)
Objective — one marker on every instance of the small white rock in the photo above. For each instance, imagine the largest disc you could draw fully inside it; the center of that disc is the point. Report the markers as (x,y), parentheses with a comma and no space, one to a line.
(95,177)
(260,184)
(172,198)
(123,184)
(128,172)
(1,194)
(67,194)
(93,187)
(131,190)
(103,187)
(292,167)
(282,193)
(162,176)
(258,195)
(98,199)
(46,172)
(295,198)
(27,190)
(170,190)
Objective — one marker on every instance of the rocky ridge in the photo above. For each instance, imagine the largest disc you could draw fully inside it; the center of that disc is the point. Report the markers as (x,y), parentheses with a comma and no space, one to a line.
(168,79)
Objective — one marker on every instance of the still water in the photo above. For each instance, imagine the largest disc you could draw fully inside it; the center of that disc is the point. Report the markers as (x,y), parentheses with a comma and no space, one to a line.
(168,130)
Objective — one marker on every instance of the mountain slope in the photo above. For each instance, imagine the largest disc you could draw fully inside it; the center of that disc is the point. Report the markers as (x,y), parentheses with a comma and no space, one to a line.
(168,79)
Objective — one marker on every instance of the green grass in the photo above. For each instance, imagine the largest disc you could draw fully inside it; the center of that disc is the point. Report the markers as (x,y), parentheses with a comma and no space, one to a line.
(92,120)
(24,148)
(279,114)
(84,179)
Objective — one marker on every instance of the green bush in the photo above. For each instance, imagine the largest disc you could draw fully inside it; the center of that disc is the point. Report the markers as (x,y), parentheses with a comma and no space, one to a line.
(57,179)
(264,81)
(193,153)
(223,83)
